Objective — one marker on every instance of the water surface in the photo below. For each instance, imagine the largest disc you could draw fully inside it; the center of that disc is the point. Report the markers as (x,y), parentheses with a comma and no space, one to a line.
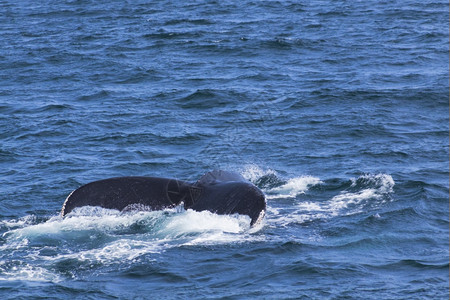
(338,111)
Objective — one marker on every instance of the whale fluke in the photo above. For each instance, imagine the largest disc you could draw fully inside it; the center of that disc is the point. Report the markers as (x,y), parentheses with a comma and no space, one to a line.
(220,192)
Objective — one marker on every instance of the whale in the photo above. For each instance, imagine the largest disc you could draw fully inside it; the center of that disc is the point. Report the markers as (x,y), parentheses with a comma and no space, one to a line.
(220,192)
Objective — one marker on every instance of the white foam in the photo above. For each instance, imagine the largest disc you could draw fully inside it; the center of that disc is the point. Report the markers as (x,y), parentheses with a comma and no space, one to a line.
(206,228)
(157,232)
(27,272)
(83,219)
(342,200)
(310,206)
(294,187)
(374,190)
(382,185)
(197,222)
(117,251)
(21,222)
(173,223)
(295,218)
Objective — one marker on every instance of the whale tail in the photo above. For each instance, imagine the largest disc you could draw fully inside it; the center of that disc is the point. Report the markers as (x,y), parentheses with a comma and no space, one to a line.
(218,191)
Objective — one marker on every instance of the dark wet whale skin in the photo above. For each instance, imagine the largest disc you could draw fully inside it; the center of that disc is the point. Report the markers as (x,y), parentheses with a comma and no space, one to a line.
(218,191)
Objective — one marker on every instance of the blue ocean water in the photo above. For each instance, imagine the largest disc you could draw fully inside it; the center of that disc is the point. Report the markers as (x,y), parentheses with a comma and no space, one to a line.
(337,110)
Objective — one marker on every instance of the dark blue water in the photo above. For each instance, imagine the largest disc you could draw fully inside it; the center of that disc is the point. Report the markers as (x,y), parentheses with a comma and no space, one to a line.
(337,110)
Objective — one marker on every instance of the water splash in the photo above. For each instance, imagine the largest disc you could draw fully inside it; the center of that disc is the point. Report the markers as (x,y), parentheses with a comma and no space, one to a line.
(254,173)
(366,192)
(93,237)
(294,187)
(365,188)
(102,237)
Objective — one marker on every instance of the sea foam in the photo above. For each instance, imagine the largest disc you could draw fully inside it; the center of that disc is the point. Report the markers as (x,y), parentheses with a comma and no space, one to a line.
(293,187)
(365,192)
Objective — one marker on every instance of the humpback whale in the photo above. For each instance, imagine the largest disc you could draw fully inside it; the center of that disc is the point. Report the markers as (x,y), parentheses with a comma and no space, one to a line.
(220,192)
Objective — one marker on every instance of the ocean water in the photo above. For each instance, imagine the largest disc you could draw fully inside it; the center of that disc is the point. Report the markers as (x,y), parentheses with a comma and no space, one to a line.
(337,110)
